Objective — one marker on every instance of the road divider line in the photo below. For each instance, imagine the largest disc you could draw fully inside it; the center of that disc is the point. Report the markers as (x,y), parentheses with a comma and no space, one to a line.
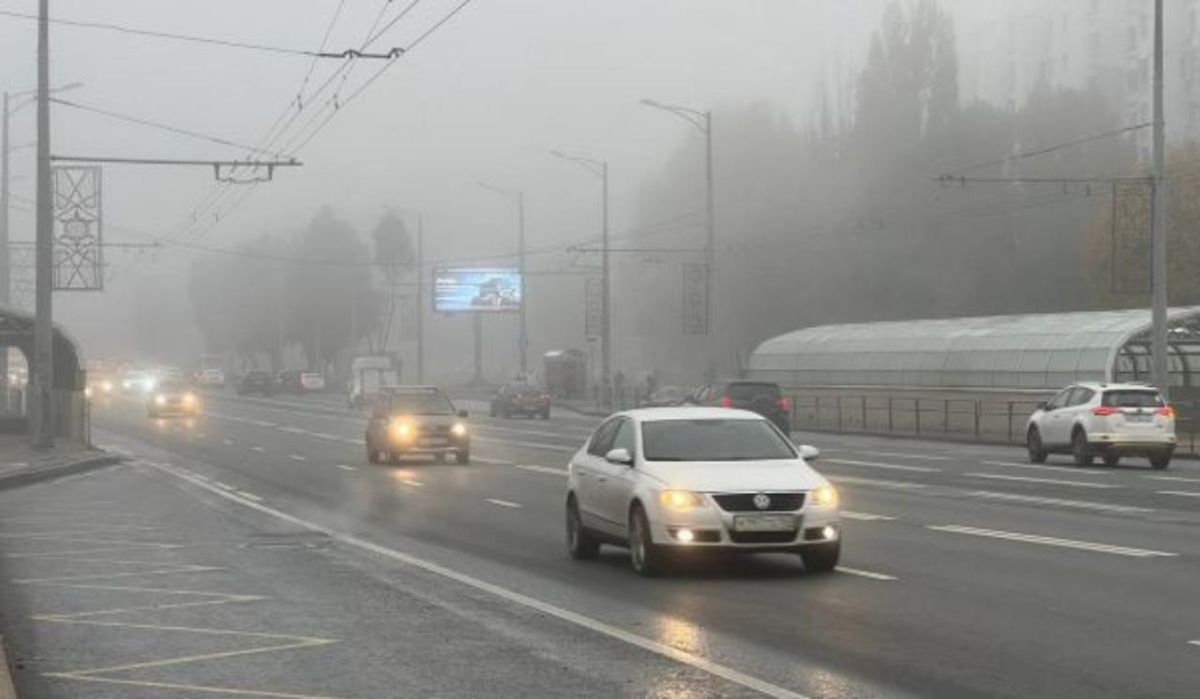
(902,455)
(1194,643)
(257,449)
(1047,481)
(297,457)
(505,503)
(890,467)
(683,657)
(223,486)
(227,441)
(486,460)
(865,573)
(1178,479)
(1039,500)
(534,445)
(542,469)
(855,480)
(1182,493)
(415,484)
(865,516)
(1039,467)
(346,467)
(1051,541)
(250,496)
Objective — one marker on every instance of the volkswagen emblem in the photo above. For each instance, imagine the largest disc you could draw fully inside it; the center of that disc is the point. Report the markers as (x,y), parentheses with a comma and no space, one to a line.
(762,501)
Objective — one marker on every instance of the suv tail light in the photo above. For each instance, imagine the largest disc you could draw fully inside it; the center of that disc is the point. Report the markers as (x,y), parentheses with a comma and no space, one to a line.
(1105,410)
(1166,411)
(726,401)
(784,404)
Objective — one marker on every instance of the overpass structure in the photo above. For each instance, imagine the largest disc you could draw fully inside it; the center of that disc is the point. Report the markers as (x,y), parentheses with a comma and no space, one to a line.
(68,400)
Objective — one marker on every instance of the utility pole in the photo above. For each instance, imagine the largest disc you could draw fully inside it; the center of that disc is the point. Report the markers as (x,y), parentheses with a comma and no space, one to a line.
(420,299)
(477,326)
(43,329)
(1158,234)
(5,260)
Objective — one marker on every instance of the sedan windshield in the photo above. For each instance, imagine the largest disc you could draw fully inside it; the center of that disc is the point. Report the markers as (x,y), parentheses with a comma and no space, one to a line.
(421,404)
(713,440)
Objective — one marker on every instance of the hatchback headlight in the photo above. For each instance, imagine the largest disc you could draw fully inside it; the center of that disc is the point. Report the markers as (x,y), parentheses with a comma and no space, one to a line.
(189,398)
(400,430)
(458,429)
(160,399)
(680,500)
(825,496)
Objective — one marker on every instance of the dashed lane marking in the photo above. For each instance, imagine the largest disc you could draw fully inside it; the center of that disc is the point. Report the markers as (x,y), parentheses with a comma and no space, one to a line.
(486,460)
(224,486)
(855,480)
(411,482)
(257,449)
(1194,643)
(297,457)
(1078,504)
(1039,467)
(1052,541)
(346,467)
(1182,493)
(865,516)
(505,503)
(1177,479)
(227,441)
(542,469)
(1047,481)
(683,657)
(865,573)
(250,496)
(534,445)
(903,455)
(890,467)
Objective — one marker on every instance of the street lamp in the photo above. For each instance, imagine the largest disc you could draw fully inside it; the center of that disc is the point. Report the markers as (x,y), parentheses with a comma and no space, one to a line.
(702,121)
(600,169)
(517,197)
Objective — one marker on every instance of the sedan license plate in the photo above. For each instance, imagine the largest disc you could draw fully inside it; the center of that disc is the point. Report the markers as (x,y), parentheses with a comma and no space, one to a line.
(764,523)
(1137,417)
(433,442)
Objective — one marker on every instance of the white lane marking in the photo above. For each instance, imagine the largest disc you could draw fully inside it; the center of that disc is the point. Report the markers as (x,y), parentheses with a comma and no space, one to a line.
(1194,643)
(1051,541)
(865,516)
(505,503)
(542,469)
(903,455)
(681,656)
(1177,479)
(346,467)
(264,423)
(1039,467)
(258,449)
(1048,481)
(326,435)
(293,430)
(227,441)
(865,573)
(297,457)
(415,484)
(1038,500)
(855,480)
(534,445)
(224,486)
(890,467)
(1183,493)
(249,496)
(485,460)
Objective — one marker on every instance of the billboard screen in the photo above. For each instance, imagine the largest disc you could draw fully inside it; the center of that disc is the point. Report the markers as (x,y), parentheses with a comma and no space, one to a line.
(476,290)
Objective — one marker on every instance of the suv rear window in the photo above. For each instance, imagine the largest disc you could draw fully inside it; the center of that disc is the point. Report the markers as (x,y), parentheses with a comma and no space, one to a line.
(750,391)
(1132,399)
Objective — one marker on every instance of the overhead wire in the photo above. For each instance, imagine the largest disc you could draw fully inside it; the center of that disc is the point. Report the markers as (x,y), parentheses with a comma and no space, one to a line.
(151,123)
(951,174)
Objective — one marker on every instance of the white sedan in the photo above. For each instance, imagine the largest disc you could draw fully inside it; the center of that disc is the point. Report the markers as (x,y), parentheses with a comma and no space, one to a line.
(671,479)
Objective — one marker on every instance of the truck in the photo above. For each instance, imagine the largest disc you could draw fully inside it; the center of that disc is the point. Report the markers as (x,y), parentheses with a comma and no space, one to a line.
(368,374)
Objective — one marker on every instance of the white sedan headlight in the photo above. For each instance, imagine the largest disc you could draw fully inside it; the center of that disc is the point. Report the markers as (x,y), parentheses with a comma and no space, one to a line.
(681,500)
(825,496)
(458,429)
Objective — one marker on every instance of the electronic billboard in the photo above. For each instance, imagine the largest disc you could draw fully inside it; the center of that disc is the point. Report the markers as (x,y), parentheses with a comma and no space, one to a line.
(476,290)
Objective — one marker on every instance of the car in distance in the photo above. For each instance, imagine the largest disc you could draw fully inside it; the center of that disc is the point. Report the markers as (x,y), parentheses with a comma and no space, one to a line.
(521,399)
(138,382)
(416,421)
(256,382)
(1106,420)
(172,397)
(298,382)
(762,397)
(211,378)
(690,479)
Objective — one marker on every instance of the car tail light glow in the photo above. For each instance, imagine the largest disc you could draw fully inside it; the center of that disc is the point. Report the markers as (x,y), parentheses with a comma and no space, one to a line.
(1105,410)
(784,404)
(726,402)
(1166,411)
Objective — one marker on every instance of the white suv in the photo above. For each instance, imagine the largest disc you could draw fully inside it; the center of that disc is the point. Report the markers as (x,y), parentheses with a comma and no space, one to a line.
(1108,420)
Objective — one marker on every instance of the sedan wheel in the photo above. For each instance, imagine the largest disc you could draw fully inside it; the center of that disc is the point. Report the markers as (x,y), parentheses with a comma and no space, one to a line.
(644,555)
(1079,448)
(1033,443)
(580,543)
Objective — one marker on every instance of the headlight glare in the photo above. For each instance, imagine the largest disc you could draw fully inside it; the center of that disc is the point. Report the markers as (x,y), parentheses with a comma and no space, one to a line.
(825,496)
(400,430)
(680,500)
(458,429)
(160,399)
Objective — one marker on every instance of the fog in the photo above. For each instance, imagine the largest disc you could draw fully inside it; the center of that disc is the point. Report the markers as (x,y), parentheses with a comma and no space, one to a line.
(826,206)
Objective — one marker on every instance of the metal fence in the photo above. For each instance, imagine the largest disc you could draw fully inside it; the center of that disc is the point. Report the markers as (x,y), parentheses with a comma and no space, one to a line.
(991,420)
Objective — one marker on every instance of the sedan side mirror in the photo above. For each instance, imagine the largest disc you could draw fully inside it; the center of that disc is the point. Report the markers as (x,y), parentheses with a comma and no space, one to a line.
(1043,406)
(809,453)
(463,414)
(619,456)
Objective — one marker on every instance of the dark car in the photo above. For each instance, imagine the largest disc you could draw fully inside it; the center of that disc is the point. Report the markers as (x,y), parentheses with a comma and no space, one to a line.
(256,382)
(762,397)
(289,382)
(521,399)
(416,420)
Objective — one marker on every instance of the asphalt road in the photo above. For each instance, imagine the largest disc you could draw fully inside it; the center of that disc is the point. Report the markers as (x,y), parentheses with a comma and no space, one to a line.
(967,571)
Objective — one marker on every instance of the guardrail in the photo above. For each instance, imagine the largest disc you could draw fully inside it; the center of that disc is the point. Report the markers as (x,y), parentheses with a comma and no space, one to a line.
(992,420)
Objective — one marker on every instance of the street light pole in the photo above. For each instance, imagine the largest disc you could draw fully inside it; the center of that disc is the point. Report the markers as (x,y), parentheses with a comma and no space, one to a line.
(1158,233)
(43,329)
(5,260)
(420,299)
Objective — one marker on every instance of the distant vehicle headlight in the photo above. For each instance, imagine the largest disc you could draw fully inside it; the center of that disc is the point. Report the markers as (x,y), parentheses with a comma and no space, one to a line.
(126,384)
(189,398)
(401,430)
(681,500)
(458,429)
(825,496)
(107,386)
(87,392)
(160,399)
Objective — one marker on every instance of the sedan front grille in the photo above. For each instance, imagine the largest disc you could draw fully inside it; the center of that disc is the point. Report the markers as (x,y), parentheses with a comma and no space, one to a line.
(744,502)
(762,537)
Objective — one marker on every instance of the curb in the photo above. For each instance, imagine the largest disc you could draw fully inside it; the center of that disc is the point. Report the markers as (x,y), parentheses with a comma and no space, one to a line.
(7,690)
(46,473)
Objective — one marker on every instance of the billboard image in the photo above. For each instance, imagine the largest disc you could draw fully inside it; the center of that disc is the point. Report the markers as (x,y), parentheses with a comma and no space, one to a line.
(476,289)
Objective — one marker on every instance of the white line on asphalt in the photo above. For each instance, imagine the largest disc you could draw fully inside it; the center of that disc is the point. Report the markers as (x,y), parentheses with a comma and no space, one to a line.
(855,480)
(890,467)
(681,656)
(505,503)
(1184,493)
(485,460)
(325,435)
(346,467)
(1177,479)
(1051,541)
(249,496)
(293,430)
(864,573)
(542,469)
(1038,500)
(902,455)
(225,486)
(258,449)
(297,457)
(1048,481)
(1194,643)
(415,484)
(535,445)
(865,516)
(1038,467)
(227,441)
